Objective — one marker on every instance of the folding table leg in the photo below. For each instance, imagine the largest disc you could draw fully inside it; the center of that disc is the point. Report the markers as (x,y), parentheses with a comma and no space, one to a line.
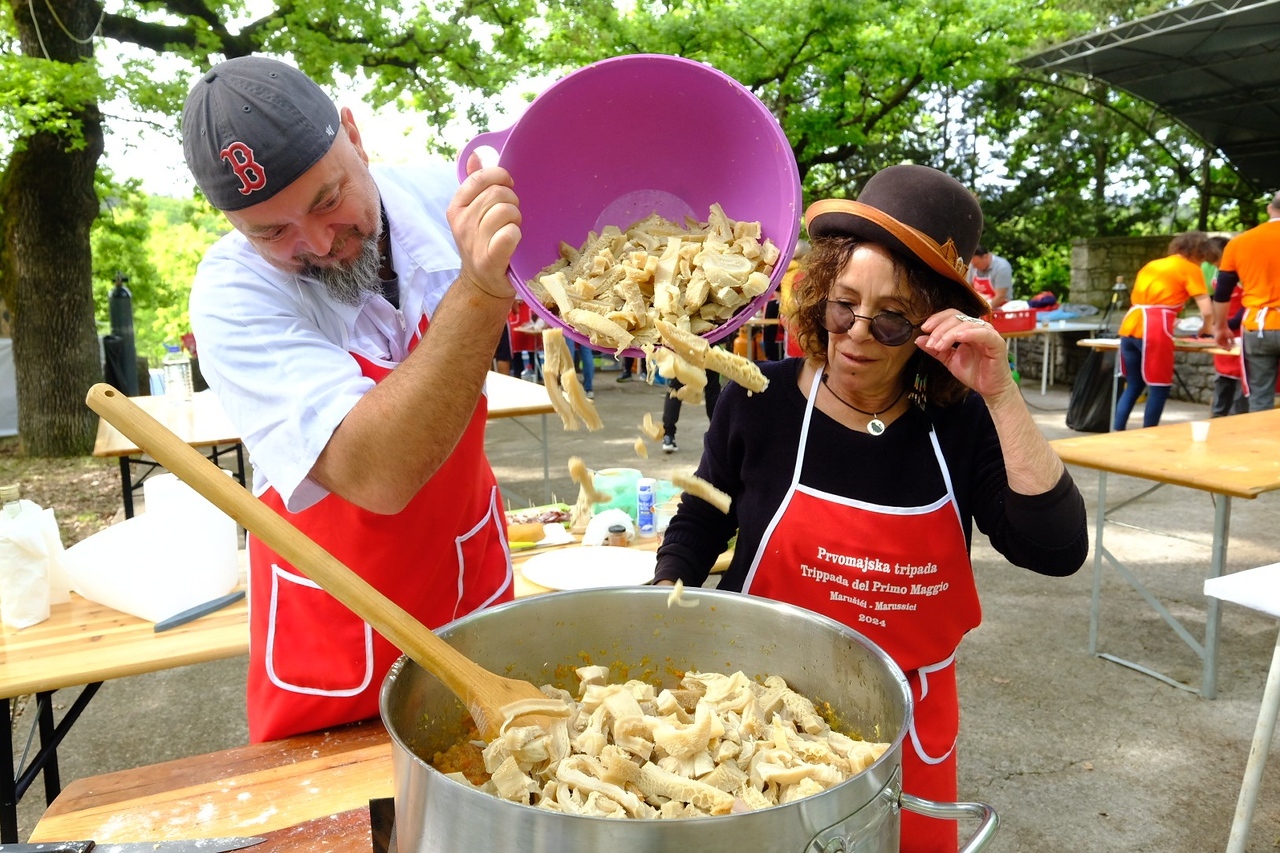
(126,486)
(8,781)
(1257,757)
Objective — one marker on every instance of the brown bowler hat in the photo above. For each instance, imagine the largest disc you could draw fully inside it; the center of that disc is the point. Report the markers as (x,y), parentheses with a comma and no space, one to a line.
(915,211)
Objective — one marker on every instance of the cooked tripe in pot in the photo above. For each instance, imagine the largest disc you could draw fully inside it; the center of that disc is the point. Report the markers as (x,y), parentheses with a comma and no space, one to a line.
(713,745)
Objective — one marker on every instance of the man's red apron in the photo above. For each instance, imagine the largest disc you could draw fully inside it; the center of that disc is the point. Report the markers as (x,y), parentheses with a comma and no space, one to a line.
(982,284)
(312,662)
(1157,343)
(902,577)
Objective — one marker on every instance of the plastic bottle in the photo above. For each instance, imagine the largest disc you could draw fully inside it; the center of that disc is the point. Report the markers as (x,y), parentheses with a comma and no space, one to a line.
(9,496)
(644,508)
(177,372)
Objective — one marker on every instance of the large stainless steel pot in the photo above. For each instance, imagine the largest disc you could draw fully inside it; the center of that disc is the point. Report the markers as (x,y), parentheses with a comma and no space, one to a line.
(544,638)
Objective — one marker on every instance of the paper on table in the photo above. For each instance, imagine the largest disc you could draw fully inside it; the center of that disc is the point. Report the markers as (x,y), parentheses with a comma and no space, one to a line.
(1258,589)
(590,567)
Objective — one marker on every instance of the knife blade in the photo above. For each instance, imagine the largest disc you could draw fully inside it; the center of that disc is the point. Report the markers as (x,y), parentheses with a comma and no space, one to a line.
(199,610)
(188,845)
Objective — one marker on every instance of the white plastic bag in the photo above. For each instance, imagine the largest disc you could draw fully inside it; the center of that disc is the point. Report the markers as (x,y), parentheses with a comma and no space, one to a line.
(597,532)
(32,576)
(180,552)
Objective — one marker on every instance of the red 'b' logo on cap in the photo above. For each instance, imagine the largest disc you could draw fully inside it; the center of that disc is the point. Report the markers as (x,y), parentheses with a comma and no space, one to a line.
(252,176)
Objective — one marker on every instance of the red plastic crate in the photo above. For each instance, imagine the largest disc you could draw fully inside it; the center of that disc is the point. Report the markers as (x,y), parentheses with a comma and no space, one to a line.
(1013,321)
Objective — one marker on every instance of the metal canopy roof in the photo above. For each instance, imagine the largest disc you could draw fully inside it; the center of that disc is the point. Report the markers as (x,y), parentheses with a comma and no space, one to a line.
(1214,66)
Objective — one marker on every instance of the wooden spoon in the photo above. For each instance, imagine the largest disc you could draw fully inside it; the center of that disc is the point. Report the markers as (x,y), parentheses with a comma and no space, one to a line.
(484,693)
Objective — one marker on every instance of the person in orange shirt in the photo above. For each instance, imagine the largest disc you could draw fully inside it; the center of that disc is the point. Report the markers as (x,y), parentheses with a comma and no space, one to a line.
(1160,290)
(1253,260)
(782,299)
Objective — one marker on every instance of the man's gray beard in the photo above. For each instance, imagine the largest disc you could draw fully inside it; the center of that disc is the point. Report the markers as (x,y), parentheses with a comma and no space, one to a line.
(353,283)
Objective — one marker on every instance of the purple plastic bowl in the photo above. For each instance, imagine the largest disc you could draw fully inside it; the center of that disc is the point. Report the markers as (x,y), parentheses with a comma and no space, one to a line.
(625,137)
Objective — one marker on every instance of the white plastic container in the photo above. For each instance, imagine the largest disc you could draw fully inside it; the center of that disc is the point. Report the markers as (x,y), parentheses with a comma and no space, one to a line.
(180,552)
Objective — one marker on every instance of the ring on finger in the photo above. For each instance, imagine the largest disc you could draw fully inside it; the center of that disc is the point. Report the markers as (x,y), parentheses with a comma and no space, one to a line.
(965,318)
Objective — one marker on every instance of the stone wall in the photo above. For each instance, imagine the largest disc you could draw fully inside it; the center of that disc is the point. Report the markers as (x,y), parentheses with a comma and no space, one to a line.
(1096,264)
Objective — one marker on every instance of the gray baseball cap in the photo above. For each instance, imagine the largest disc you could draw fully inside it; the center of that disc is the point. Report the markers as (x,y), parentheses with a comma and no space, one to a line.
(252,126)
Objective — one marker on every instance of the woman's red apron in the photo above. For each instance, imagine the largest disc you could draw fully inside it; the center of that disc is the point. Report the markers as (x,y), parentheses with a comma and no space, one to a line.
(1157,343)
(902,577)
(312,662)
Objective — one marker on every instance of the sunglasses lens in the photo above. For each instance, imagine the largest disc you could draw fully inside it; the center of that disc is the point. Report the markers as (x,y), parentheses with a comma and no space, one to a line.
(837,319)
(891,329)
(888,328)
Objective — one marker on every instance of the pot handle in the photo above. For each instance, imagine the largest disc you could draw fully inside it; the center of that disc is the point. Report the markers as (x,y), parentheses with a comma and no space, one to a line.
(955,811)
(494,139)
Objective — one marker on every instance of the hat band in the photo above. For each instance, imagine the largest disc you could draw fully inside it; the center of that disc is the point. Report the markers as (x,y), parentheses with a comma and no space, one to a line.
(945,259)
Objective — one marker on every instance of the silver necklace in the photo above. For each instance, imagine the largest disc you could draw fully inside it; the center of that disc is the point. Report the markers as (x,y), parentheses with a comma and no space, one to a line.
(875,426)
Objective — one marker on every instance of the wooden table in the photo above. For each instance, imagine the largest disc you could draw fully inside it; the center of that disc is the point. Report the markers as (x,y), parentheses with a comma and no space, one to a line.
(1179,345)
(1240,459)
(305,793)
(1050,332)
(82,643)
(514,398)
(200,422)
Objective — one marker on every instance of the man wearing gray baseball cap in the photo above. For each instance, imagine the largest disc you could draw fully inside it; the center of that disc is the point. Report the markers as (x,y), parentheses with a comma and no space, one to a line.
(347,325)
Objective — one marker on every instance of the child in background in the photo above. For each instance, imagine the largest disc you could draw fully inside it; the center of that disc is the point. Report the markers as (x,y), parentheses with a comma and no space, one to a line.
(1228,393)
(1228,390)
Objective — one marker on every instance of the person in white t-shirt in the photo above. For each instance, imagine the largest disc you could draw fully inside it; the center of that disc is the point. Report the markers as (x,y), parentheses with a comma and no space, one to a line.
(992,276)
(347,326)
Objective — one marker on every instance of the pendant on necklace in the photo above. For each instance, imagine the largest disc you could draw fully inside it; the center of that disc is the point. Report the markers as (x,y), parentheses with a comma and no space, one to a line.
(875,426)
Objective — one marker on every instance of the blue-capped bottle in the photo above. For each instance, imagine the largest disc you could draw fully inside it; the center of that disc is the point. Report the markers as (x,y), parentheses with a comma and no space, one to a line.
(645,527)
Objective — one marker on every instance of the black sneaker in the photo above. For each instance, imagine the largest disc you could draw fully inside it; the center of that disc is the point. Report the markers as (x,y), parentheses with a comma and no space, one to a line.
(626,377)
(669,444)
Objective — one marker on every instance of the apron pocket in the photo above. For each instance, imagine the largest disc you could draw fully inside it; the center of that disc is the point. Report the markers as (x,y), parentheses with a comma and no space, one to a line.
(476,548)
(315,645)
(935,726)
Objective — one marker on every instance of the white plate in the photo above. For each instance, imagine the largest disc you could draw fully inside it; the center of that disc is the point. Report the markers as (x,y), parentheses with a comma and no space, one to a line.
(589,567)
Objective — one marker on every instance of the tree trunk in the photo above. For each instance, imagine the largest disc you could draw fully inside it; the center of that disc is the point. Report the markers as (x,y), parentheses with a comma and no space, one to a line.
(47,206)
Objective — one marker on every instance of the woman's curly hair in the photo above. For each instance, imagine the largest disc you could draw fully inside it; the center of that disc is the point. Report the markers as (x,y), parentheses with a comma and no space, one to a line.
(923,291)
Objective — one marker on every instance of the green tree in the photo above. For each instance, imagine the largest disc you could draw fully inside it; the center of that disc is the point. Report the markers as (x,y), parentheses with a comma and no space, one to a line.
(49,108)
(154,244)
(1077,159)
(855,86)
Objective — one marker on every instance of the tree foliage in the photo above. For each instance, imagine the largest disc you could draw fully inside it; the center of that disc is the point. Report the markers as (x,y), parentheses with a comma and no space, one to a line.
(856,86)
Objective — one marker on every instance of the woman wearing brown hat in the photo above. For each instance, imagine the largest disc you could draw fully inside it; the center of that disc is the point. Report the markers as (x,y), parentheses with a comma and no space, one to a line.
(858,475)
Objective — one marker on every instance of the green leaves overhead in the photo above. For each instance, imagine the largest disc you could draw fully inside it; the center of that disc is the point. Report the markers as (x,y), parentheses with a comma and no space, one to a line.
(42,96)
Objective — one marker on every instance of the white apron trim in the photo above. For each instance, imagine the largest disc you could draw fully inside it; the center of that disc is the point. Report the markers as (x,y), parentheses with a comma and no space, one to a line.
(277,575)
(490,517)
(923,672)
(796,487)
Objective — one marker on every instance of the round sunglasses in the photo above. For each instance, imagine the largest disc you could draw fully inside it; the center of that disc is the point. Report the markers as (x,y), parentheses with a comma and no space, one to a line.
(887,327)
